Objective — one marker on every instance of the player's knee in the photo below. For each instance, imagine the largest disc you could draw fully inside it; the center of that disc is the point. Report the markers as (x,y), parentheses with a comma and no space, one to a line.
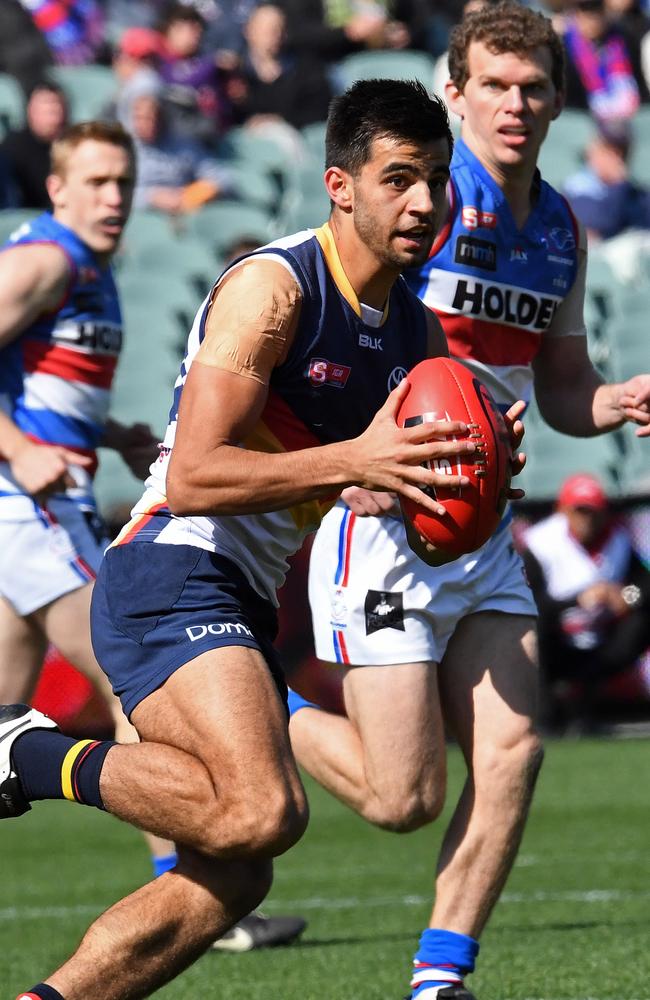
(408,810)
(263,827)
(282,823)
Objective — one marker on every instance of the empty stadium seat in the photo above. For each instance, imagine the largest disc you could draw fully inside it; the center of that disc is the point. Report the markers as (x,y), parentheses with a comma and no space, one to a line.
(600,294)
(116,488)
(142,390)
(149,364)
(308,204)
(386,64)
(254,186)
(221,223)
(562,151)
(12,104)
(243,143)
(89,89)
(314,138)
(146,229)
(168,291)
(640,151)
(553,456)
(11,219)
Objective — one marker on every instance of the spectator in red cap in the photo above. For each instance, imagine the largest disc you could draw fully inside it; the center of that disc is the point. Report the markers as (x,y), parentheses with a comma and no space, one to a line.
(135,64)
(592,589)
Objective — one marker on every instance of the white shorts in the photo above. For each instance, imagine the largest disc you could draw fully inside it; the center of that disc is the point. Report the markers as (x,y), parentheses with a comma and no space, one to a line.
(373,601)
(49,555)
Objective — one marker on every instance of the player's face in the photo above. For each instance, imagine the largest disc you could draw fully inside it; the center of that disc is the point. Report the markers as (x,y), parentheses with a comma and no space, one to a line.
(94,195)
(399,198)
(507,105)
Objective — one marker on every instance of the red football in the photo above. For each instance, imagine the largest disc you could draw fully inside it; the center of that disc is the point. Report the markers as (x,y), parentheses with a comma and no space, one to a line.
(442,389)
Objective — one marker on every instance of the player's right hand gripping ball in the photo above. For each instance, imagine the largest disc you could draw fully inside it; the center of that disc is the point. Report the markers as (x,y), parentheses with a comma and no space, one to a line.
(442,389)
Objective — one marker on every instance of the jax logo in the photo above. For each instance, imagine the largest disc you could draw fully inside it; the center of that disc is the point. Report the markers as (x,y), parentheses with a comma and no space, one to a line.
(323,372)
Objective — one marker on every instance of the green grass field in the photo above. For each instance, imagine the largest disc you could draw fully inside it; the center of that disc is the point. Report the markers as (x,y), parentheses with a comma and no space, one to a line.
(574,922)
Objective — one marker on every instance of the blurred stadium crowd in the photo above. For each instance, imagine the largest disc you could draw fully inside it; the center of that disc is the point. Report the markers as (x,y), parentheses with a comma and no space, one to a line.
(227,101)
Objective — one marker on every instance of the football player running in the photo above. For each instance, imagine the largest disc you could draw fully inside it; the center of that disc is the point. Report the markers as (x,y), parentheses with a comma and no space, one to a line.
(264,433)
(455,645)
(60,339)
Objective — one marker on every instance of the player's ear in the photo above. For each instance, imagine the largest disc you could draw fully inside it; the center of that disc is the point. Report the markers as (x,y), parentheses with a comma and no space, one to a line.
(339,187)
(54,185)
(558,103)
(454,98)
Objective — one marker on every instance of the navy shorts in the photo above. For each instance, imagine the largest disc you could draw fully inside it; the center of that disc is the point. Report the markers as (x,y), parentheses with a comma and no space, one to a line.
(156,606)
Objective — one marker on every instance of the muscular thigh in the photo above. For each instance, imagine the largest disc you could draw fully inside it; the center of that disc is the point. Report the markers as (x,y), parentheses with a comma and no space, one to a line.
(489,680)
(224,708)
(396,710)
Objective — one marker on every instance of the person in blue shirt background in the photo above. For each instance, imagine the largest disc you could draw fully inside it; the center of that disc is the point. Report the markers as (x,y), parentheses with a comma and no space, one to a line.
(603,196)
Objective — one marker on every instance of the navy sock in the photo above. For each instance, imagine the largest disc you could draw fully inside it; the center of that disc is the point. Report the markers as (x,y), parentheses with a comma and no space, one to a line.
(41,992)
(442,959)
(163,863)
(50,765)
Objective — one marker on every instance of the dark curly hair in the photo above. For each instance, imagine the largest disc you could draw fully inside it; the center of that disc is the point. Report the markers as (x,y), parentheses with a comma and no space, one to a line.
(504,27)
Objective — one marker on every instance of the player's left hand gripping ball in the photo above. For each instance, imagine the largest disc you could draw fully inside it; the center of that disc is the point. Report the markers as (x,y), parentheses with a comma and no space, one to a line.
(442,389)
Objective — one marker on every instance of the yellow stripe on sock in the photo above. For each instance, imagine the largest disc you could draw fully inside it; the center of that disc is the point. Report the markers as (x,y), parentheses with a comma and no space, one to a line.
(67,766)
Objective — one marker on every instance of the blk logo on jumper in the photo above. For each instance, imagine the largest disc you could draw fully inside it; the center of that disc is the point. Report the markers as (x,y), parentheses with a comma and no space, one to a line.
(374,343)
(384,610)
(476,253)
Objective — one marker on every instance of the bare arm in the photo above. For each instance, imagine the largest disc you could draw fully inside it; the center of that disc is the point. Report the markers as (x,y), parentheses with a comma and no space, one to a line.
(208,474)
(33,280)
(573,398)
(224,397)
(135,443)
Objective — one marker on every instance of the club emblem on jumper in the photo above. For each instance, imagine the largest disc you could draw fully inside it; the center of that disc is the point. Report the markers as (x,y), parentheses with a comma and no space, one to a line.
(339,610)
(396,377)
(562,239)
(384,610)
